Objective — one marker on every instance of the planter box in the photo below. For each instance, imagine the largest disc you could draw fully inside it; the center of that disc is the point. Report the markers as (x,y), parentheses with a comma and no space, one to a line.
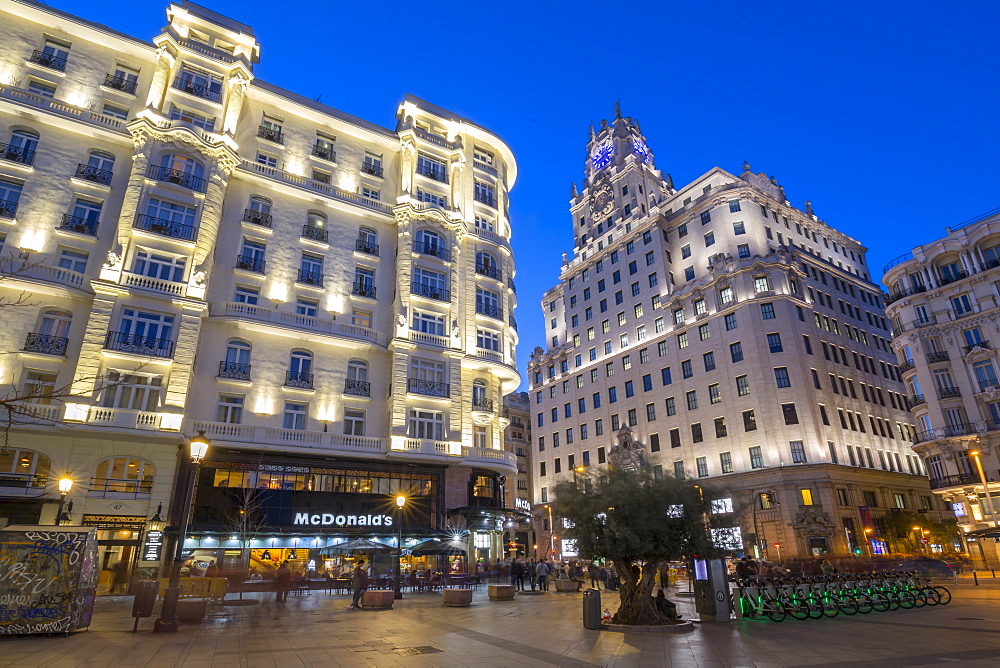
(501,592)
(191,609)
(457,598)
(377,599)
(568,586)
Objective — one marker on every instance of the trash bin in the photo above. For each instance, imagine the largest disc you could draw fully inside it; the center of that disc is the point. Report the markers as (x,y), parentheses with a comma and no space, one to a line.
(592,610)
(145,598)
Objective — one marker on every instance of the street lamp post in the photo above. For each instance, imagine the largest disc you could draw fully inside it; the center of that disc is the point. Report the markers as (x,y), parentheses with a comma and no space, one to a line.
(65,485)
(986,489)
(868,543)
(398,590)
(167,622)
(552,548)
(920,535)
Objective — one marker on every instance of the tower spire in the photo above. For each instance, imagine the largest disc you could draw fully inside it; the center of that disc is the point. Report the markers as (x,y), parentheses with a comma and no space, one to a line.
(618,109)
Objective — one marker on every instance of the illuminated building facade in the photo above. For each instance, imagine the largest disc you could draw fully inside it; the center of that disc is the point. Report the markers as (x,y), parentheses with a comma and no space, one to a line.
(739,340)
(329,300)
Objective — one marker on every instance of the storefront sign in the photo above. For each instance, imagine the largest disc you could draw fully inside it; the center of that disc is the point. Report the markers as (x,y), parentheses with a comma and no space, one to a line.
(329,519)
(115,522)
(522,504)
(152,547)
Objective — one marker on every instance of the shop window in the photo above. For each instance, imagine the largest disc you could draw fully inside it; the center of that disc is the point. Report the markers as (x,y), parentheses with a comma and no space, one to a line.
(24,468)
(122,475)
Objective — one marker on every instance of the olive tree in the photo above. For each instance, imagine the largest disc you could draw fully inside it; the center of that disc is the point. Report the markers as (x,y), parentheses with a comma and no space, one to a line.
(639,522)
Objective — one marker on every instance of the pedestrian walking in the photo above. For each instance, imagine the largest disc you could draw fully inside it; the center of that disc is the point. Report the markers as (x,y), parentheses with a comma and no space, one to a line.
(360,581)
(283,581)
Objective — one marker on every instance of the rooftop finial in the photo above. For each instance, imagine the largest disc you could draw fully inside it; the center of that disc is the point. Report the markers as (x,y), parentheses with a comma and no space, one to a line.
(575,193)
(809,208)
(592,130)
(618,109)
(746,166)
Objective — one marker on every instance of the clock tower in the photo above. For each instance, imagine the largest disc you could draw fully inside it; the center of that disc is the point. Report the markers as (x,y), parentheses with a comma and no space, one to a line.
(620,186)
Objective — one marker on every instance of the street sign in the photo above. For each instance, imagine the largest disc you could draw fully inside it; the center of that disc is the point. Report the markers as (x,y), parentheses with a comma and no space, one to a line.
(924,541)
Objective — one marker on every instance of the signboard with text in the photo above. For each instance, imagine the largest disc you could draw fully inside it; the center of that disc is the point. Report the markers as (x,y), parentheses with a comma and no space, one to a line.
(152,546)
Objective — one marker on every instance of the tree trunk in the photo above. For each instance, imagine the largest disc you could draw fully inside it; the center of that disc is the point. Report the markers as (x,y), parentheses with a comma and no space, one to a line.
(636,593)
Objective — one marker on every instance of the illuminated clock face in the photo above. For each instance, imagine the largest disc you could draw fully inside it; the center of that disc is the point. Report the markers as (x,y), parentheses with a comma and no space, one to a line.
(602,155)
(640,149)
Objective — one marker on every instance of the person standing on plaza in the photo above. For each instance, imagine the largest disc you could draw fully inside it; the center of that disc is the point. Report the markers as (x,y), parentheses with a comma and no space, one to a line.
(532,573)
(360,582)
(827,568)
(595,575)
(542,571)
(283,581)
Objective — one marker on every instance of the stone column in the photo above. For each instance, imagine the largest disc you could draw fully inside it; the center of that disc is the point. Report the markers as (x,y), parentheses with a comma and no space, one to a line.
(161,79)
(112,269)
(189,326)
(238,85)
(88,366)
(203,256)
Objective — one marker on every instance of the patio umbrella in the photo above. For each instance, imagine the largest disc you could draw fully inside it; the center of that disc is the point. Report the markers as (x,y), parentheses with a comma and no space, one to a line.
(360,545)
(436,546)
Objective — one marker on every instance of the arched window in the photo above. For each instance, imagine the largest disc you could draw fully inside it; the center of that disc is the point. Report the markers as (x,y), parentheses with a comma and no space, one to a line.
(55,323)
(24,466)
(21,147)
(183,164)
(300,369)
(182,170)
(125,475)
(99,168)
(428,243)
(238,352)
(357,379)
(478,394)
(261,204)
(486,264)
(317,220)
(367,241)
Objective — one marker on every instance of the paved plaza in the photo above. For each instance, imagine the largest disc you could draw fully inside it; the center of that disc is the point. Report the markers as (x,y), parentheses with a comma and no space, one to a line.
(319,630)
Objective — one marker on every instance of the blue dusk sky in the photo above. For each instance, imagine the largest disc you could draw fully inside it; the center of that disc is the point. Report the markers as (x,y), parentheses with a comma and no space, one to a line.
(883,114)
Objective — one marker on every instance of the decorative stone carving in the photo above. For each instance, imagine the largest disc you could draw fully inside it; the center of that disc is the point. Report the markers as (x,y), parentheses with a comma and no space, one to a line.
(626,455)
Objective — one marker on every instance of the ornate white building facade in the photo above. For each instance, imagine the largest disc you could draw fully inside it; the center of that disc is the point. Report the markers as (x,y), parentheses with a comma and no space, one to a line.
(740,339)
(943,302)
(329,300)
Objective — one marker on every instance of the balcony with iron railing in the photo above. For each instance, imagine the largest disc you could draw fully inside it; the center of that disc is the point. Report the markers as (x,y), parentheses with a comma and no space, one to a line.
(251,263)
(952,278)
(494,311)
(924,322)
(430,291)
(486,167)
(24,481)
(961,429)
(7,208)
(314,186)
(483,405)
(432,249)
(990,264)
(257,217)
(490,271)
(78,224)
(902,294)
(299,379)
(976,347)
(513,323)
(949,392)
(271,134)
(307,277)
(198,90)
(917,400)
(907,366)
(206,50)
(234,370)
(119,488)
(366,247)
(45,344)
(988,384)
(485,198)
(18,154)
(372,169)
(955,480)
(428,388)
(120,84)
(324,153)
(49,60)
(440,175)
(93,174)
(314,233)
(357,388)
(937,356)
(178,177)
(167,228)
(138,345)
(959,313)
(363,289)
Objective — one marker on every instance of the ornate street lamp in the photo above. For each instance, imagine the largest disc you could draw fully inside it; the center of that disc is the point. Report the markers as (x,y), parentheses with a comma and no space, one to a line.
(986,488)
(65,485)
(167,622)
(398,590)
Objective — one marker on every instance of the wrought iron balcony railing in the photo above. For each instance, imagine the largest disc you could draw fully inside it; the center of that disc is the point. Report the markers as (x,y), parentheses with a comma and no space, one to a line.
(981,345)
(18,154)
(49,60)
(271,134)
(7,208)
(198,90)
(906,292)
(178,177)
(952,480)
(234,370)
(513,323)
(917,400)
(939,356)
(363,289)
(45,343)
(988,384)
(431,291)
(251,263)
(435,250)
(953,278)
(485,405)
(486,199)
(906,366)
(299,379)
(357,388)
(140,345)
(489,310)
(93,174)
(120,83)
(167,228)
(491,271)
(952,430)
(79,224)
(428,388)
(370,168)
(949,392)
(315,233)
(310,278)
(324,153)
(431,173)
(366,247)
(257,217)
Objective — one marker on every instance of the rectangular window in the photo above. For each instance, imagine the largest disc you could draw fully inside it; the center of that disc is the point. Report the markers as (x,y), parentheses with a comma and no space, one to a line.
(742,385)
(692,400)
(702,465)
(781,377)
(730,321)
(798,452)
(789,413)
(679,470)
(720,427)
(650,412)
(675,438)
(696,435)
(295,414)
(736,351)
(756,458)
(749,420)
(726,461)
(774,342)
(767,311)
